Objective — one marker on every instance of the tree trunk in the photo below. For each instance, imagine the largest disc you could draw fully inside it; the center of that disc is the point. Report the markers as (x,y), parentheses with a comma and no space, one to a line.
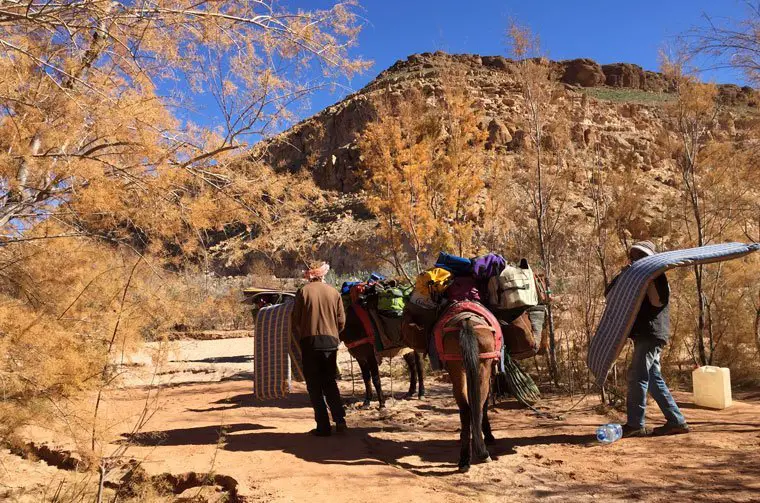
(690,179)
(101,481)
(545,258)
(757,324)
(703,359)
(553,368)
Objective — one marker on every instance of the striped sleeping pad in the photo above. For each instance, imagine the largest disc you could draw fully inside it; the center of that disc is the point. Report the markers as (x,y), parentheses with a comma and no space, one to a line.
(276,353)
(512,379)
(626,295)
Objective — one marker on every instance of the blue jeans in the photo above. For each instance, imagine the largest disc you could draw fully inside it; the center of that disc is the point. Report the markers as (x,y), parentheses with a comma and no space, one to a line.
(644,374)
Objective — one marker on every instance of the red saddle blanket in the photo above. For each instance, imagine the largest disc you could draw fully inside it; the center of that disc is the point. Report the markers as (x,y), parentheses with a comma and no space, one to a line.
(483,320)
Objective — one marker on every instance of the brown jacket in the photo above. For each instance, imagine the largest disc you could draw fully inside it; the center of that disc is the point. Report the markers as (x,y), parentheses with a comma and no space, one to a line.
(318,316)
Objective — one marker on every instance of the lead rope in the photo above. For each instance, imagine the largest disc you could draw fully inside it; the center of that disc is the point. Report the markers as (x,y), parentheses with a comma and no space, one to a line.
(390,370)
(353,382)
(549,415)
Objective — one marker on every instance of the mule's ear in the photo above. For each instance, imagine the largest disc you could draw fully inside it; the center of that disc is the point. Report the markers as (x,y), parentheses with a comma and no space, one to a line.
(524,263)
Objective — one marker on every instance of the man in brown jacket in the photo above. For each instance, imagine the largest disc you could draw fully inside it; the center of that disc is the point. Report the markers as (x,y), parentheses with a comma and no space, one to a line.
(318,318)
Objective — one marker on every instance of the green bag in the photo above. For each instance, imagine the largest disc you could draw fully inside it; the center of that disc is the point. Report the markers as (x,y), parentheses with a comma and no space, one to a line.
(393,299)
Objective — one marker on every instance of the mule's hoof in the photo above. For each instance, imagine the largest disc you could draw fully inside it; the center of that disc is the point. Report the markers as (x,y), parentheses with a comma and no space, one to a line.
(364,405)
(487,459)
(408,396)
(464,469)
(381,405)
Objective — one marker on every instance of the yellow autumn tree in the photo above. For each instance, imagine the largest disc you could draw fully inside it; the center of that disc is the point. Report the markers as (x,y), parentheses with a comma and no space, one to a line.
(424,169)
(459,167)
(718,183)
(111,179)
(92,131)
(398,149)
(735,43)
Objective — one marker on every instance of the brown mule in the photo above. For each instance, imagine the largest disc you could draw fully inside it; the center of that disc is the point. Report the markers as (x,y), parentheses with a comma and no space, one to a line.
(361,346)
(468,345)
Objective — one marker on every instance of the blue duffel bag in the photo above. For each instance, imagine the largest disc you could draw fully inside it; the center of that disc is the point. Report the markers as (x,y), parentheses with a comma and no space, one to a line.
(458,266)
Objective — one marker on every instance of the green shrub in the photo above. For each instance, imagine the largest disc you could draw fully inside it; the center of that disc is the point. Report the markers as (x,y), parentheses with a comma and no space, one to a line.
(623,95)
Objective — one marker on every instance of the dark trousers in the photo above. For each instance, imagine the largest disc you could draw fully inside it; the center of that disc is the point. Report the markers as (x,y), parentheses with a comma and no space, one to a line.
(319,371)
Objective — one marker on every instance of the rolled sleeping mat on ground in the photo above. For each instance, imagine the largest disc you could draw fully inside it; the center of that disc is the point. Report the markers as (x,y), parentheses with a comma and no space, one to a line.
(519,383)
(276,353)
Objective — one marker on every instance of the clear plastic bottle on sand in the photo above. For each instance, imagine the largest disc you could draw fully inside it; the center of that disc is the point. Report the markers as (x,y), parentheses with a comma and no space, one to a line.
(608,433)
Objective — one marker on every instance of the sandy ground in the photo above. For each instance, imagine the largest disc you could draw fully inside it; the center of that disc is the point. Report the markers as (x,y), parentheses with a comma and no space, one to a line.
(410,449)
(190,361)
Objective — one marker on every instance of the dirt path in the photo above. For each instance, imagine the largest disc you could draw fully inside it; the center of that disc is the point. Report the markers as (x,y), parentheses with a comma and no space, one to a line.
(409,451)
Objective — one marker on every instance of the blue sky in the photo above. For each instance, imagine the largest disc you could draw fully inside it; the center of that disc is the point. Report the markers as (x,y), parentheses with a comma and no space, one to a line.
(607,31)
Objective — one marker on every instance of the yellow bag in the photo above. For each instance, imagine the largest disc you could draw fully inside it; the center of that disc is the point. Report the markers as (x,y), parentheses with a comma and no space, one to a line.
(433,282)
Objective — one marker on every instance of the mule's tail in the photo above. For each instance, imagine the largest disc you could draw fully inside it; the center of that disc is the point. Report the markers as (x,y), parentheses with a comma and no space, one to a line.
(471,360)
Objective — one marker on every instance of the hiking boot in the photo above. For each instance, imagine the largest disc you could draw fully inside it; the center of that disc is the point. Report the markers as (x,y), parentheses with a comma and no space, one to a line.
(341,427)
(319,432)
(631,431)
(671,429)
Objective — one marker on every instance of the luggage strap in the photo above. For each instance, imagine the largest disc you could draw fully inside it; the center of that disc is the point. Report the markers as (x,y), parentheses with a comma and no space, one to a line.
(366,340)
(369,329)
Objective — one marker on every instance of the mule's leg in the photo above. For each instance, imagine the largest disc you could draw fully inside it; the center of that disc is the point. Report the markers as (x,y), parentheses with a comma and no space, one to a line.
(374,370)
(456,372)
(465,420)
(365,367)
(420,374)
(485,389)
(410,363)
(487,433)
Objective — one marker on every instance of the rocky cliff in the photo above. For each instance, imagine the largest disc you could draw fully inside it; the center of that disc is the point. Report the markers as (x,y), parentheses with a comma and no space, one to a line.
(616,111)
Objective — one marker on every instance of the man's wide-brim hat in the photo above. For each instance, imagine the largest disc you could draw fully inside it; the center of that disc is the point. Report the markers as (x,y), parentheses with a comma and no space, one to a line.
(645,247)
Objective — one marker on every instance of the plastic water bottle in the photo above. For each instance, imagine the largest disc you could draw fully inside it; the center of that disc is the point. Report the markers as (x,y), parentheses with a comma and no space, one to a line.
(608,433)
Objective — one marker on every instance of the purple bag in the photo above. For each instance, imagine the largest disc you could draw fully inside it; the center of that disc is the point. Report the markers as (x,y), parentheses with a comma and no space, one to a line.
(487,266)
(463,288)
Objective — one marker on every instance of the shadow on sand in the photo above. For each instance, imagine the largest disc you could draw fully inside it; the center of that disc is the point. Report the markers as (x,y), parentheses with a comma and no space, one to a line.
(222,359)
(202,435)
(292,401)
(359,446)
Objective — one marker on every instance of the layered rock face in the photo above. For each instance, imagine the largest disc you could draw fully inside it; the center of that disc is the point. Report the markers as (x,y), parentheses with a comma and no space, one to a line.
(616,117)
(325,143)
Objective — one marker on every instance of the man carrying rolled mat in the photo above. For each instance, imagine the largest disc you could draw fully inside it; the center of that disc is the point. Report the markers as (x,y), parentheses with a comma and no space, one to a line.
(650,333)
